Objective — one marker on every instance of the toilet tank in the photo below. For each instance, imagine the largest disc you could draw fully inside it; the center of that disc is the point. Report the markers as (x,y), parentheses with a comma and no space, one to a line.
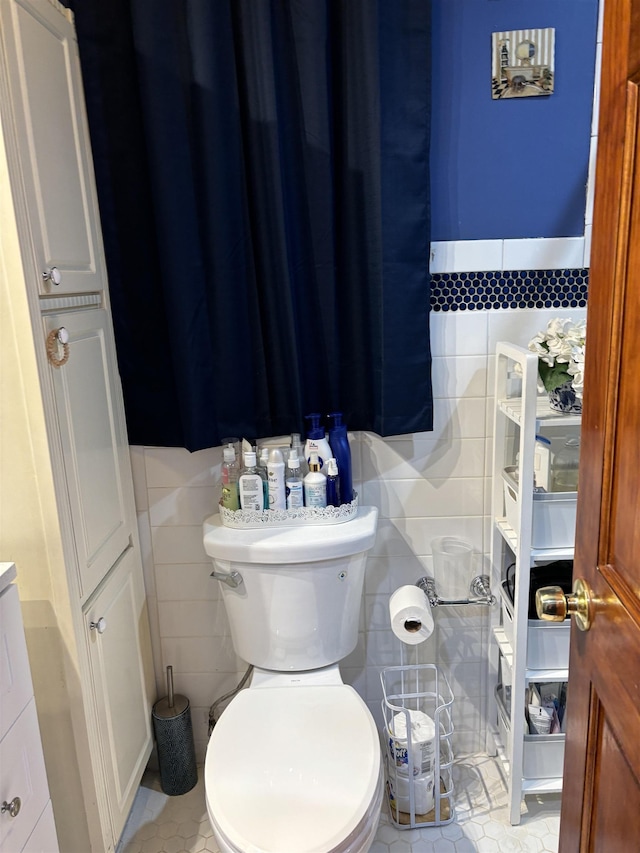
(298,605)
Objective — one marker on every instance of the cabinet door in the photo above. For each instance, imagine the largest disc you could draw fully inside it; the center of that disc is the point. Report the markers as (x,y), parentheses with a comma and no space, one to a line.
(51,152)
(94,442)
(116,641)
(43,839)
(15,676)
(22,776)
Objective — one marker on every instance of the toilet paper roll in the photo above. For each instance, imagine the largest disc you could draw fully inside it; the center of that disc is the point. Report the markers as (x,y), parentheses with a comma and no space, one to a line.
(410,613)
(423,743)
(399,787)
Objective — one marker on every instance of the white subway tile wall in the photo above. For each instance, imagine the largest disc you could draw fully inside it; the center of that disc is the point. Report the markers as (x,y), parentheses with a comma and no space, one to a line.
(425,485)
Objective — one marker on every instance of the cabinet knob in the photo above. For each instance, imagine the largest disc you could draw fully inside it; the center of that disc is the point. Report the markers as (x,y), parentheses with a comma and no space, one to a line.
(13,807)
(553,605)
(100,626)
(53,275)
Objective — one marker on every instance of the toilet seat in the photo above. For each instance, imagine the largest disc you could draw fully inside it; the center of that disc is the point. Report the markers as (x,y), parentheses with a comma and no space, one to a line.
(294,770)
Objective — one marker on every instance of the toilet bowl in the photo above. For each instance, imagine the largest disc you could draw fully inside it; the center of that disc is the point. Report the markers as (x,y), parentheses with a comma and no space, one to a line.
(295,768)
(294,763)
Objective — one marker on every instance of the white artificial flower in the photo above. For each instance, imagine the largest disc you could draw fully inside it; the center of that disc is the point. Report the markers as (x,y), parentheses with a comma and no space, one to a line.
(562,343)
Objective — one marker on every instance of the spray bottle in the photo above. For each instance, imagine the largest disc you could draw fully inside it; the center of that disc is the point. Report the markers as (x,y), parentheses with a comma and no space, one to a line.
(293,482)
(333,483)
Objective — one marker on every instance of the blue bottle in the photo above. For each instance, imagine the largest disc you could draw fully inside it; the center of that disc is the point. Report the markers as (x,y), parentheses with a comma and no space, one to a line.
(333,484)
(342,452)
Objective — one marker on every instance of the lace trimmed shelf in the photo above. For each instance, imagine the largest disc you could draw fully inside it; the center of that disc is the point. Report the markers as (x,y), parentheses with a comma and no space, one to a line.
(245,519)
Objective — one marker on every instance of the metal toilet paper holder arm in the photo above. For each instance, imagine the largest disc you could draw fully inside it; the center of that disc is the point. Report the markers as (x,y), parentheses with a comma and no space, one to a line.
(479,588)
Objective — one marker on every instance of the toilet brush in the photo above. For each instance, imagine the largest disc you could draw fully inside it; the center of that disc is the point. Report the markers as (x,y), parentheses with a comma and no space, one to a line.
(174,741)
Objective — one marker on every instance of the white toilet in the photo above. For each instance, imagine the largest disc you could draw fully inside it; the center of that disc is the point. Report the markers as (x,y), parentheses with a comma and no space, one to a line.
(294,763)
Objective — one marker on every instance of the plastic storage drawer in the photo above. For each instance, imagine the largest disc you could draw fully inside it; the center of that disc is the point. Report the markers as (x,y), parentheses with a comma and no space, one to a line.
(542,756)
(553,524)
(547,642)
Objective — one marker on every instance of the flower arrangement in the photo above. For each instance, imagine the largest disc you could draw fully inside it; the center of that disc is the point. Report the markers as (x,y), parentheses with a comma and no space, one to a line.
(560,351)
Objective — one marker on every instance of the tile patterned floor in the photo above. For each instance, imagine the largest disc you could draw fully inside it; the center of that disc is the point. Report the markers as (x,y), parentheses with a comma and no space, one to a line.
(161,824)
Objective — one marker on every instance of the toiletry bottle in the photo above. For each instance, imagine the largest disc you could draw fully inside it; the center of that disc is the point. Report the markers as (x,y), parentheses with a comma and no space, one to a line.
(230,473)
(315,484)
(293,482)
(317,441)
(298,449)
(263,464)
(339,442)
(275,479)
(251,484)
(333,483)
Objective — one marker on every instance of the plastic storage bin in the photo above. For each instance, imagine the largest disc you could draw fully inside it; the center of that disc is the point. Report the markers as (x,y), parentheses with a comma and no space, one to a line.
(547,642)
(554,514)
(543,755)
(419,769)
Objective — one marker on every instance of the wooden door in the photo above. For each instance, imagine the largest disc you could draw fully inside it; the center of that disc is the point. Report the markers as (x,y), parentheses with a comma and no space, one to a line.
(601,794)
(44,102)
(94,442)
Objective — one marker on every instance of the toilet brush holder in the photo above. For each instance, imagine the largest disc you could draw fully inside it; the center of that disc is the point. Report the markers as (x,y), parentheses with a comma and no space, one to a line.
(174,741)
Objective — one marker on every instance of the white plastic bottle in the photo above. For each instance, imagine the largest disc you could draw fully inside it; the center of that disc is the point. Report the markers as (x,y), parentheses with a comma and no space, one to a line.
(275,478)
(250,484)
(317,442)
(315,484)
(230,497)
(293,482)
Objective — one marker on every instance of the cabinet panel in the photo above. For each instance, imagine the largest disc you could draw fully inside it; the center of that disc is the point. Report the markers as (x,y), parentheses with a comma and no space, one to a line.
(124,715)
(43,838)
(15,678)
(52,144)
(23,776)
(94,442)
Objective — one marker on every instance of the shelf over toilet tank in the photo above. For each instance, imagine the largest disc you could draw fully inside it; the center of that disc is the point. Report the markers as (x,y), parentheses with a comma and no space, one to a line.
(291,544)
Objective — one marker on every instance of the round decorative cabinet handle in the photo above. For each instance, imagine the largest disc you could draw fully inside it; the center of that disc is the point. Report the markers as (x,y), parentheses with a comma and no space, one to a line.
(57,341)
(13,807)
(53,275)
(100,626)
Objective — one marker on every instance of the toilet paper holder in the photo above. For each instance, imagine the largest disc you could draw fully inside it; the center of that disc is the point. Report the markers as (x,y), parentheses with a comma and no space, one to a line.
(479,589)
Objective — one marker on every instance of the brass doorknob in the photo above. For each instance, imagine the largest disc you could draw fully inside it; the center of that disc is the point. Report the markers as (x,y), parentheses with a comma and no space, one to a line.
(554,606)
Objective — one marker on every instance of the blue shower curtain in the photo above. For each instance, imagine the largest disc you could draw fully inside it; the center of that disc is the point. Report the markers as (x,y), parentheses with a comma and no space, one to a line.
(262,170)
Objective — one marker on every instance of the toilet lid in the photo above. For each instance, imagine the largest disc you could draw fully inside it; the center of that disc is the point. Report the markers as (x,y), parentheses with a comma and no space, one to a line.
(292,769)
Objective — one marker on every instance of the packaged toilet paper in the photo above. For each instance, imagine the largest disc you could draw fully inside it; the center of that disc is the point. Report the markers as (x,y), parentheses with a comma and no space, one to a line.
(423,743)
(423,793)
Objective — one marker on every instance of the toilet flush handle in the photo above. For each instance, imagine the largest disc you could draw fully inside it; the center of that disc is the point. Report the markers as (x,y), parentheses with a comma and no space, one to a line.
(232,579)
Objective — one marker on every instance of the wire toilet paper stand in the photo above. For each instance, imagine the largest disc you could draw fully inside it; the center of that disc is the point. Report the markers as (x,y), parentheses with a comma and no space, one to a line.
(418,752)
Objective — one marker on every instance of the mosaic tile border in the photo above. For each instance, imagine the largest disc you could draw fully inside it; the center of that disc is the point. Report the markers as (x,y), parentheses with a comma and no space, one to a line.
(478,291)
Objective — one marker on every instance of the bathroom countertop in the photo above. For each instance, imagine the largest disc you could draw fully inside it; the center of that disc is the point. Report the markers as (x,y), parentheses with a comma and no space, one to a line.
(8,573)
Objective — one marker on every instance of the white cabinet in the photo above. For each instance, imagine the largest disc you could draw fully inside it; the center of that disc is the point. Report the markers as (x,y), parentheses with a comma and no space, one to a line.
(24,793)
(94,442)
(112,625)
(67,513)
(45,88)
(530,529)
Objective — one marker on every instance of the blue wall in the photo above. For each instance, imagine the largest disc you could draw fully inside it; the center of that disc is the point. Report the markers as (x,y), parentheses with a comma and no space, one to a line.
(517,167)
